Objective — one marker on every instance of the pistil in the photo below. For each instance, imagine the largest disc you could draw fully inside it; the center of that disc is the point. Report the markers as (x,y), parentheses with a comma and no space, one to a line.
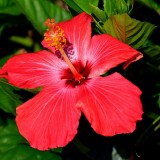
(76,74)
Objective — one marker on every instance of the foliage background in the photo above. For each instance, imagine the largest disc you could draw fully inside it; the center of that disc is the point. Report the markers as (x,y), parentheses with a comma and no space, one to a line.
(21,30)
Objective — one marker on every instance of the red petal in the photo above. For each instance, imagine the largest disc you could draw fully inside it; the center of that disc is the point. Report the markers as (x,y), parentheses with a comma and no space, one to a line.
(50,119)
(133,59)
(33,70)
(111,104)
(107,52)
(78,32)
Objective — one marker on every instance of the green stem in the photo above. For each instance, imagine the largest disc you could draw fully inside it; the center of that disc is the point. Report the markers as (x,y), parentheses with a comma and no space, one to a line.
(99,26)
(145,132)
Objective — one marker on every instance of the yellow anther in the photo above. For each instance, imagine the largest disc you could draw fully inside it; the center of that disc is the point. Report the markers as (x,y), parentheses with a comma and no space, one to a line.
(54,36)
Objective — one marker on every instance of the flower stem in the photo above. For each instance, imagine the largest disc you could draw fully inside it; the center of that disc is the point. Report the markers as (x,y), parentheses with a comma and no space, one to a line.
(99,26)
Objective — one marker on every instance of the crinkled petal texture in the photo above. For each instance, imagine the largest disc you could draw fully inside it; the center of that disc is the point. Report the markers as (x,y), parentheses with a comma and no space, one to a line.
(107,52)
(78,33)
(50,119)
(111,104)
(33,70)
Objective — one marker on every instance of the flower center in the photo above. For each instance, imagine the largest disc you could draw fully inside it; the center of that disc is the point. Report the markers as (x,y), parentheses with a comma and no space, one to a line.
(69,77)
(54,37)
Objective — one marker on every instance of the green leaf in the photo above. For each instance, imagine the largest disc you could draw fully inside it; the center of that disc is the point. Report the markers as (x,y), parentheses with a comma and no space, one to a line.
(94,2)
(9,100)
(128,30)
(84,5)
(25,41)
(153,54)
(38,11)
(98,13)
(14,147)
(73,5)
(151,4)
(113,7)
(151,115)
(80,6)
(23,152)
(152,50)
(57,150)
(9,7)
(10,137)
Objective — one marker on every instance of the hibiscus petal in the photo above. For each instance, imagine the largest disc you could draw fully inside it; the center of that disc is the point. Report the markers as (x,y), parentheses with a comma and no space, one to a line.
(107,52)
(50,119)
(78,32)
(33,70)
(111,104)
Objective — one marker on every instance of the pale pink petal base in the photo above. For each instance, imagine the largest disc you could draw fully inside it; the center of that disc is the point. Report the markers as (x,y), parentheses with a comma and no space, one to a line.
(111,104)
(50,119)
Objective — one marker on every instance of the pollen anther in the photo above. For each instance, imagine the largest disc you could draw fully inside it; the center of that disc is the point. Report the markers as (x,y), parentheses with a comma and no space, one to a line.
(54,36)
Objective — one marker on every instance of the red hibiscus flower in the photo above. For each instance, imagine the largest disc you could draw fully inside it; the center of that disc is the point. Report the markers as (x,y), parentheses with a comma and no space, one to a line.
(70,74)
